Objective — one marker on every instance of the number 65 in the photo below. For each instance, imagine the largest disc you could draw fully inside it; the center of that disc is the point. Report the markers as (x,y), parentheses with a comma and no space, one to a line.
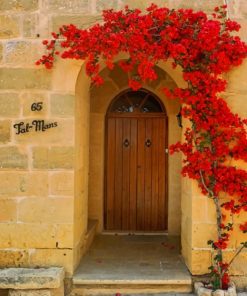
(37,106)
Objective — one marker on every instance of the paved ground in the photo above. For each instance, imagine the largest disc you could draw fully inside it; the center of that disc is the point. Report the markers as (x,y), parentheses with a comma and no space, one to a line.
(133,257)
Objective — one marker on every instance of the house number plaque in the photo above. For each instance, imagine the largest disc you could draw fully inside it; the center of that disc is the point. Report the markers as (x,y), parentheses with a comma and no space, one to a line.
(37,125)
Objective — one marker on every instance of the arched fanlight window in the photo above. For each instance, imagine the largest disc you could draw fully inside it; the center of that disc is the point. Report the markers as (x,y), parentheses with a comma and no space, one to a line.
(141,101)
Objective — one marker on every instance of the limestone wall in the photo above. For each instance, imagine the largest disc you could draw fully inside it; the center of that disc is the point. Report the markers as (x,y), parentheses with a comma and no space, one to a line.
(44,174)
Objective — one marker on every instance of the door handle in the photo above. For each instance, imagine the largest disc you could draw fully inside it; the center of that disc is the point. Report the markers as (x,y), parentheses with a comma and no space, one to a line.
(126,143)
(148,143)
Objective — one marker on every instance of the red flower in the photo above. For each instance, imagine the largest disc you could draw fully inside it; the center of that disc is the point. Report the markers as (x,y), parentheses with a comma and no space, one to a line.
(135,85)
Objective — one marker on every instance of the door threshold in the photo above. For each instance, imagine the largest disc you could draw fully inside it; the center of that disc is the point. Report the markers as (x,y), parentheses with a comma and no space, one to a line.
(134,233)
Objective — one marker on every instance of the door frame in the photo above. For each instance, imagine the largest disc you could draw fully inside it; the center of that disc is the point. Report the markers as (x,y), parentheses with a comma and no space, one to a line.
(162,114)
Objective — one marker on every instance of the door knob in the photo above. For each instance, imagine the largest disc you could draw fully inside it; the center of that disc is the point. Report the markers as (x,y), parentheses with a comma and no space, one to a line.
(126,143)
(148,143)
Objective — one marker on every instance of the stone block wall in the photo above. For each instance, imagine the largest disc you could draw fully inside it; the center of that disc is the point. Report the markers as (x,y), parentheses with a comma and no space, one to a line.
(44,174)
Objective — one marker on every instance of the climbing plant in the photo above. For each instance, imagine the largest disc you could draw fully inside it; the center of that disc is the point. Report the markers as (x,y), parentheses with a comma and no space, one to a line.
(205,48)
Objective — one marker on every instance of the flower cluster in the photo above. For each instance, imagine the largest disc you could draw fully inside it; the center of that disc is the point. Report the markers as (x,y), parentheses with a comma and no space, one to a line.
(205,48)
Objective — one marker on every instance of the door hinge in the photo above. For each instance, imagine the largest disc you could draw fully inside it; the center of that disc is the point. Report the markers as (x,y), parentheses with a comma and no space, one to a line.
(167,150)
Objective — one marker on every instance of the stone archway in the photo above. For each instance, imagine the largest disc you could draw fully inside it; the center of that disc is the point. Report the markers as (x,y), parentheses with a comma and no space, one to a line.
(90,109)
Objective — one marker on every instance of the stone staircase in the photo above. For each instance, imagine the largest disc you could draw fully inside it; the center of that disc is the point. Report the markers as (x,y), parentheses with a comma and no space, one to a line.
(132,265)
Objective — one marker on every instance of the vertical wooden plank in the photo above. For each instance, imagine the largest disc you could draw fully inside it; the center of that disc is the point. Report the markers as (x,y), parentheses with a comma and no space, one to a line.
(133,174)
(110,174)
(162,210)
(118,175)
(140,174)
(155,175)
(126,174)
(148,174)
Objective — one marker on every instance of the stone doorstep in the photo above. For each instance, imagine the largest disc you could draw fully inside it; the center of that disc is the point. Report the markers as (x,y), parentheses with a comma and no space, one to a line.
(80,281)
(110,288)
(31,278)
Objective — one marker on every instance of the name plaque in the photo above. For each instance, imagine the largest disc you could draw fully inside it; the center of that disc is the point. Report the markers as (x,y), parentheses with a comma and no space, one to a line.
(37,125)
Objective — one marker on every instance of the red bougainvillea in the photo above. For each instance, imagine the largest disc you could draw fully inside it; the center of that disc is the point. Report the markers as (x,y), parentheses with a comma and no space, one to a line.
(205,48)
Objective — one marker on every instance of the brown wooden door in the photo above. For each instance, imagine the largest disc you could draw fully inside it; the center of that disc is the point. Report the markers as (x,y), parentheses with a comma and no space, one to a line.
(136,181)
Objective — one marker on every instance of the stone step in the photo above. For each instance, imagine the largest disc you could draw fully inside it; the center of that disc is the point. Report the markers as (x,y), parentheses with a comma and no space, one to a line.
(135,293)
(126,287)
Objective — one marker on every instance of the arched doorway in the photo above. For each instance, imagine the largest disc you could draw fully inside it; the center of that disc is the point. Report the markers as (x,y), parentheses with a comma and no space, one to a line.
(136,196)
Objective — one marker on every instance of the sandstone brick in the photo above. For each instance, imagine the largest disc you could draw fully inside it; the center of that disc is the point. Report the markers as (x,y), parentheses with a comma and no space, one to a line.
(82,21)
(30,26)
(19,5)
(62,105)
(237,236)
(240,218)
(53,257)
(12,157)
(97,6)
(41,292)
(242,32)
(55,131)
(200,261)
(53,158)
(23,184)
(51,210)
(199,210)
(22,53)
(77,6)
(31,278)
(1,52)
(62,184)
(36,25)
(187,229)
(40,235)
(239,265)
(236,80)
(5,126)
(207,6)
(211,211)
(9,105)
(202,233)
(20,78)
(8,210)
(13,258)
(237,9)
(237,103)
(9,26)
(27,99)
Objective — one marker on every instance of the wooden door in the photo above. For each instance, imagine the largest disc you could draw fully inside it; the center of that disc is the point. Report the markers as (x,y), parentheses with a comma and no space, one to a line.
(136,166)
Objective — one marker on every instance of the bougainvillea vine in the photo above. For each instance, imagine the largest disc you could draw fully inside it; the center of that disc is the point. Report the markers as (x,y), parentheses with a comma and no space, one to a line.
(205,48)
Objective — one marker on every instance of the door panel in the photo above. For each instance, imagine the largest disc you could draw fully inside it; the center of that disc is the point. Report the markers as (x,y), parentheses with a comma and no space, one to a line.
(136,198)
(133,174)
(118,173)
(148,173)
(140,209)
(126,174)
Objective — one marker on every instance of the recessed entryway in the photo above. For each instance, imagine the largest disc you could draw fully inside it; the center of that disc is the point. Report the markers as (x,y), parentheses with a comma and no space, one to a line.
(136,163)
